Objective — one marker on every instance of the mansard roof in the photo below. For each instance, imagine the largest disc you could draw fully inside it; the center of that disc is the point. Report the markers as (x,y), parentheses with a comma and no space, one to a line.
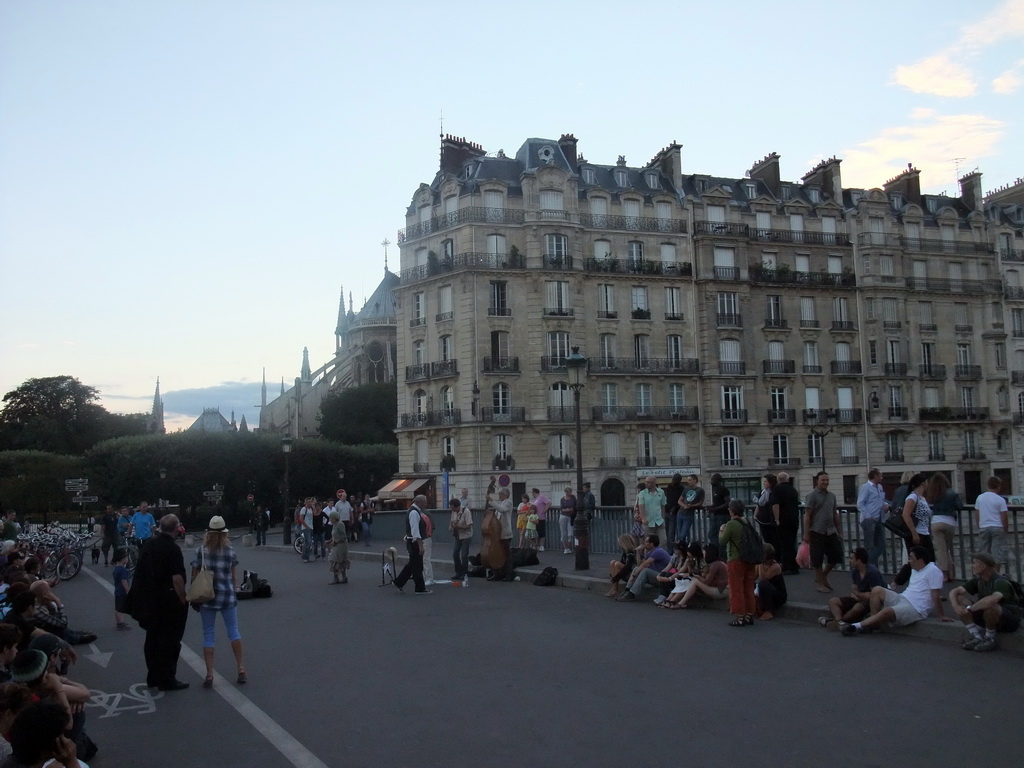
(380,307)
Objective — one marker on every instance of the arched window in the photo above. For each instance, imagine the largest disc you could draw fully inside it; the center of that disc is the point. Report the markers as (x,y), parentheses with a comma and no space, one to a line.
(447,399)
(419,400)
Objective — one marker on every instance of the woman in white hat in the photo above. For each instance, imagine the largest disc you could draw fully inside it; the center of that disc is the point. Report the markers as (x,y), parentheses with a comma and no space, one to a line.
(217,556)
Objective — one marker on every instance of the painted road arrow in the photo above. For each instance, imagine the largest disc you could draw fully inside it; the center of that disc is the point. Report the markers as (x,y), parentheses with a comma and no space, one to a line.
(100,658)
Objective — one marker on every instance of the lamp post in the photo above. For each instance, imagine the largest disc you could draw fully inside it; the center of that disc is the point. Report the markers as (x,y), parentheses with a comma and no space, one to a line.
(576,364)
(830,421)
(286,517)
(162,502)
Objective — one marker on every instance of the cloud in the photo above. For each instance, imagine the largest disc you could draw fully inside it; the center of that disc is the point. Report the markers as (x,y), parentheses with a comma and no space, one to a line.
(242,397)
(929,140)
(938,75)
(1010,80)
(948,74)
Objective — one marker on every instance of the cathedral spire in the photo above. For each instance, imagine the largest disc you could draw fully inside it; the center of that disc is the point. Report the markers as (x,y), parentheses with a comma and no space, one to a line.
(306,374)
(263,392)
(156,418)
(385,243)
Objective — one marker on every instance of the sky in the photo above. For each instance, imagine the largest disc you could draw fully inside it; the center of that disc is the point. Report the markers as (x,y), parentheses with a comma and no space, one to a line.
(186,187)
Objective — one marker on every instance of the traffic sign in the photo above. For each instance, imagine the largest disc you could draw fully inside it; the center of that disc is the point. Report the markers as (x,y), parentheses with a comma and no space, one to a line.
(75,488)
(340,492)
(85,499)
(212,494)
(250,497)
(77,481)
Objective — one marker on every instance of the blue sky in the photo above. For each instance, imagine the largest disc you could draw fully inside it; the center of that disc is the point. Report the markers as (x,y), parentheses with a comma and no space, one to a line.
(186,186)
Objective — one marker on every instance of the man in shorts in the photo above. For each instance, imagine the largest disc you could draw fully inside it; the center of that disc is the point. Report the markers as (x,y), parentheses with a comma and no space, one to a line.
(922,596)
(821,531)
(993,520)
(987,600)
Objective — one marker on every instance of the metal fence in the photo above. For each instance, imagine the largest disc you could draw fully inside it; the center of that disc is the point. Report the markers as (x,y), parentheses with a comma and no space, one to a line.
(610,522)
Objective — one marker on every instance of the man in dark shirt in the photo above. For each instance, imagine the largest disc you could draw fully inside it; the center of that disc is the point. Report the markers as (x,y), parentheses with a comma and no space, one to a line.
(854,607)
(785,497)
(157,600)
(987,600)
(108,524)
(691,500)
(719,507)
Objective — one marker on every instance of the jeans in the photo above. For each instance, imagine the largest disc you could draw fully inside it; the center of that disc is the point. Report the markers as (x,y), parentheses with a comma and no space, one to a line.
(460,556)
(649,576)
(366,532)
(261,537)
(307,543)
(319,547)
(874,539)
(684,523)
(565,529)
(209,616)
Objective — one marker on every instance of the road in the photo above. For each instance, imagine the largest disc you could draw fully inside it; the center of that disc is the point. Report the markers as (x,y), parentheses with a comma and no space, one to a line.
(513,674)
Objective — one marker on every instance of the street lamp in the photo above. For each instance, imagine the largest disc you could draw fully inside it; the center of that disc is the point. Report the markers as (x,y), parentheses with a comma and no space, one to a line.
(162,503)
(286,522)
(830,422)
(577,367)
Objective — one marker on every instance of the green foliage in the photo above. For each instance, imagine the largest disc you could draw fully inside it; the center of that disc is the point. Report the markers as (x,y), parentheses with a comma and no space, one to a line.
(33,481)
(363,415)
(58,414)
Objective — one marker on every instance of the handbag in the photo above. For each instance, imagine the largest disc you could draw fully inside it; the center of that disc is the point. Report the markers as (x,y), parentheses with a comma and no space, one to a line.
(201,588)
(895,522)
(803,555)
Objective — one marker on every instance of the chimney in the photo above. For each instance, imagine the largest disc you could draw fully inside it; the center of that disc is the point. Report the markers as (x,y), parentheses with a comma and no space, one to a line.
(907,184)
(767,170)
(567,143)
(670,162)
(970,190)
(826,175)
(455,151)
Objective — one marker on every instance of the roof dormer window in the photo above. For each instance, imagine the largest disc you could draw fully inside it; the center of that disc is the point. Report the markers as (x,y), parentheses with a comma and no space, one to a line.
(897,202)
(931,205)
(652,179)
(589,177)
(787,192)
(620,178)
(750,188)
(814,195)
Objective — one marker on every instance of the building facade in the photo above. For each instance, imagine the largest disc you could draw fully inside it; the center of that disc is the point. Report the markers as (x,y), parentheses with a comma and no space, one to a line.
(737,326)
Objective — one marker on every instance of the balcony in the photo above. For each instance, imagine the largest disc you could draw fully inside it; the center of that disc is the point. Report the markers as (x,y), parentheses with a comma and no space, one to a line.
(503,415)
(895,369)
(640,313)
(466,260)
(784,461)
(782,416)
(936,456)
(501,364)
(786,276)
(776,323)
(632,223)
(802,237)
(1014,292)
(719,229)
(1018,418)
(937,372)
(613,413)
(778,367)
(849,460)
(726,273)
(470,215)
(1017,378)
(845,367)
(963,328)
(943,285)
(732,367)
(647,461)
(814,416)
(444,368)
(732,461)
(843,325)
(679,461)
(559,312)
(812,369)
(421,466)
(1011,254)
(442,317)
(734,415)
(970,372)
(1017,333)
(416,322)
(499,311)
(849,415)
(444,418)
(943,246)
(806,323)
(893,455)
(610,265)
(418,372)
(973,455)
(564,414)
(952,414)
(553,363)
(607,314)
(729,320)
(613,461)
(674,316)
(927,327)
(892,325)
(644,365)
(898,413)
(557,261)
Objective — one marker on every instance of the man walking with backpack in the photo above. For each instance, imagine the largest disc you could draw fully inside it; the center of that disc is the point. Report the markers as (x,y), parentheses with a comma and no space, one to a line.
(417,531)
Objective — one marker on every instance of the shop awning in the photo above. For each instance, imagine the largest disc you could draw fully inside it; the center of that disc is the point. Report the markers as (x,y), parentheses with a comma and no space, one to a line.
(403,488)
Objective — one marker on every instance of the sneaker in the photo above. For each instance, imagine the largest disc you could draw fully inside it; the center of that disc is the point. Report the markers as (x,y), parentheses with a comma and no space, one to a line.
(988,644)
(659,600)
(848,630)
(971,643)
(540,549)
(428,583)
(822,621)
(626,597)
(424,592)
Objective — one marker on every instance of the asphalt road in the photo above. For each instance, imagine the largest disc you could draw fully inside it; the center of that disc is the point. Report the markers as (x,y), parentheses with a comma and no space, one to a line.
(512,674)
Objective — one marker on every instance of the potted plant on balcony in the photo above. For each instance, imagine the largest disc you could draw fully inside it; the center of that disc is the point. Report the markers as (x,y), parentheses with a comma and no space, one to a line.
(433,266)
(641,314)
(513,259)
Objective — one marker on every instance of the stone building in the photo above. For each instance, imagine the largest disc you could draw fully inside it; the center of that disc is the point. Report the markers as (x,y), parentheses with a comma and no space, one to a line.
(737,326)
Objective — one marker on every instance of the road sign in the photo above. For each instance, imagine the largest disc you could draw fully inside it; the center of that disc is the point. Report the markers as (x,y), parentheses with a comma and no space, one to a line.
(77,481)
(85,499)
(340,492)
(212,494)
(250,497)
(75,488)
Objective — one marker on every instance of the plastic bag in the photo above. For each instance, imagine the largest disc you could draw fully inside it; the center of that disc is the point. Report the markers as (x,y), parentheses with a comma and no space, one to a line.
(803,555)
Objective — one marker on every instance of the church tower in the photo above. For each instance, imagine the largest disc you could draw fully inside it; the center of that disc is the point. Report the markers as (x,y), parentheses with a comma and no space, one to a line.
(156,417)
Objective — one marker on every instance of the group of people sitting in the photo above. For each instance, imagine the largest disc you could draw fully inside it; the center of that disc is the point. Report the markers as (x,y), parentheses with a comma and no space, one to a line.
(42,717)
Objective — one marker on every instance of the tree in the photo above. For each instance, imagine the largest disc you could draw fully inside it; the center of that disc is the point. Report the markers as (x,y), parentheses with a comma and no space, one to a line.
(361,415)
(59,414)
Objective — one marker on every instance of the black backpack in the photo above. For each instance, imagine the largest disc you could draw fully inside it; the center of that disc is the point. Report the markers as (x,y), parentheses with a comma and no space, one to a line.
(547,577)
(751,546)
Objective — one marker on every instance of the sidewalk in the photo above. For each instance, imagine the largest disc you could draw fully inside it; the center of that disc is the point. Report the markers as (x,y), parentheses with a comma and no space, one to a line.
(805,603)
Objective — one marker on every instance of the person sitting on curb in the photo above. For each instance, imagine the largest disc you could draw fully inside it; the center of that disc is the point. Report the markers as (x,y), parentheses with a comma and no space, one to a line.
(621,569)
(667,578)
(770,589)
(713,582)
(854,607)
(922,596)
(653,560)
(987,599)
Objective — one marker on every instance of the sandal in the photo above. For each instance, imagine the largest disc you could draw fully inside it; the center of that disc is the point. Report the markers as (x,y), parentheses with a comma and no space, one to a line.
(208,682)
(739,621)
(241,677)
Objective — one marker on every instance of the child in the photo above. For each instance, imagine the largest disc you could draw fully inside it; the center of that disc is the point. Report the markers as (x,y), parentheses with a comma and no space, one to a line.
(523,512)
(531,527)
(121,586)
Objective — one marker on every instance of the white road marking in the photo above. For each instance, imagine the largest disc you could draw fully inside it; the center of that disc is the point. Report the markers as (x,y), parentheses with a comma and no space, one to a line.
(290,748)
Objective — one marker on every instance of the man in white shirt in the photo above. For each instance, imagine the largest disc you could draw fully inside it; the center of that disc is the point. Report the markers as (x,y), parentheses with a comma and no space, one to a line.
(417,531)
(922,596)
(465,502)
(993,519)
(306,525)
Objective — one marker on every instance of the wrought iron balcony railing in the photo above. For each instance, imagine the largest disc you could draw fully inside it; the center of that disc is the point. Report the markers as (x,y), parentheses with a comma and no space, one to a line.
(503,415)
(778,367)
(952,414)
(431,418)
(470,215)
(644,365)
(845,367)
(501,364)
(638,267)
(632,223)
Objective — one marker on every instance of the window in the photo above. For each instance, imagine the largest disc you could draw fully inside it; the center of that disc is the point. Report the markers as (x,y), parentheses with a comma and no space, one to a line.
(499,298)
(679,453)
(422,451)
(550,200)
(645,449)
(419,353)
(886,266)
(796,225)
(555,246)
(896,397)
(999,355)
(610,445)
(967,398)
(557,298)
(843,350)
(835,265)
(610,396)
(716,213)
(589,177)
(892,350)
(558,347)
(419,399)
(802,262)
(925,308)
(501,399)
(729,351)
(814,452)
(667,253)
(642,394)
(848,448)
(606,300)
(807,317)
(730,451)
(447,399)
(728,306)
(811,362)
(778,398)
(494,202)
(725,264)
(448,446)
(869,308)
(893,446)
(502,446)
(639,296)
(927,354)
(674,347)
(931,397)
(961,316)
(419,309)
(631,213)
(840,310)
(635,250)
(773,311)
(448,249)
(935,446)
(780,449)
(652,179)
(444,348)
(673,303)
(890,313)
(602,249)
(606,345)
(559,395)
(676,397)
(496,245)
(641,350)
(444,303)
(815,197)
(872,352)
(499,346)
(776,351)
(560,447)
(750,189)
(971,444)
(812,398)
(732,400)
(963,354)
(620,178)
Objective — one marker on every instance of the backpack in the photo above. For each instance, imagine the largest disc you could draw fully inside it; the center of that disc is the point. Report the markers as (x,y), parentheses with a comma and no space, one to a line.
(751,547)
(546,578)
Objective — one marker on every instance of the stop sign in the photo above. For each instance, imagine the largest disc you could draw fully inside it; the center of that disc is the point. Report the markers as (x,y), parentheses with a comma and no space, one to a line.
(341,491)
(250,497)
